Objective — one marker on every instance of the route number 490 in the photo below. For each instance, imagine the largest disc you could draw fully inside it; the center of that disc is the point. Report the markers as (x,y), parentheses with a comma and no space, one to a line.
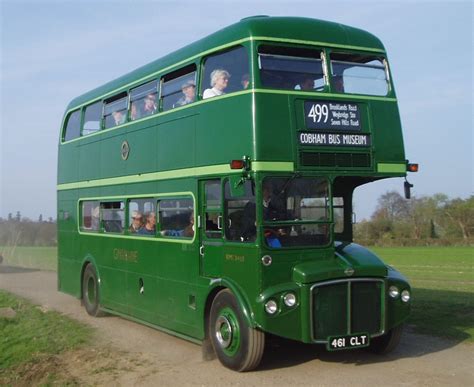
(319,112)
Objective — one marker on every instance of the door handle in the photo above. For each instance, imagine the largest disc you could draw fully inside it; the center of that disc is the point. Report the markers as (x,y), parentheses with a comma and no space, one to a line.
(201,251)
(219,222)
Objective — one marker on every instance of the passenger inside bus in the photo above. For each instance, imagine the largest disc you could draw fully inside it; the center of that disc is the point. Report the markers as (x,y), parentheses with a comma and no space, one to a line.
(134,112)
(187,232)
(338,83)
(149,105)
(307,84)
(150,226)
(137,222)
(119,117)
(219,82)
(245,81)
(189,94)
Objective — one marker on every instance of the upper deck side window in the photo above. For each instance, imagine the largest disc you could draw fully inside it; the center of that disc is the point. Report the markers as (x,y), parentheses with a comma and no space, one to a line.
(359,74)
(178,88)
(92,117)
(73,126)
(115,110)
(291,68)
(143,100)
(225,72)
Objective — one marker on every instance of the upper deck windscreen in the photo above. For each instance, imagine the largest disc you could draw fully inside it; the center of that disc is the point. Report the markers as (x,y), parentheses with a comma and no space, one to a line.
(359,74)
(291,68)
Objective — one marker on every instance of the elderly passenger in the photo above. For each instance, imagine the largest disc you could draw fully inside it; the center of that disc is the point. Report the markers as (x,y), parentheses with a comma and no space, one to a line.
(219,81)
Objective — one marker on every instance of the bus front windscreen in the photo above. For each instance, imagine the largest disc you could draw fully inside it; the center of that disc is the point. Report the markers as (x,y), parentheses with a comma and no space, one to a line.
(296,211)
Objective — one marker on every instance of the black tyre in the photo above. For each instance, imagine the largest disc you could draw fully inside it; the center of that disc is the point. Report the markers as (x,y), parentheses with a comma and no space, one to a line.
(90,291)
(238,346)
(388,342)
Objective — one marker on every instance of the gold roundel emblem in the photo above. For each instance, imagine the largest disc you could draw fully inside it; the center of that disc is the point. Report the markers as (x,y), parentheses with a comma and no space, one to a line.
(125,150)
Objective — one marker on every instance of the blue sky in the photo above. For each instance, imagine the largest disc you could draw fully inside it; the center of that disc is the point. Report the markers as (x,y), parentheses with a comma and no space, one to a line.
(53,51)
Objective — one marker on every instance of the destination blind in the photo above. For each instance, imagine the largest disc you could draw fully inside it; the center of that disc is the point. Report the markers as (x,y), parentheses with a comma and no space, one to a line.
(332,115)
(333,139)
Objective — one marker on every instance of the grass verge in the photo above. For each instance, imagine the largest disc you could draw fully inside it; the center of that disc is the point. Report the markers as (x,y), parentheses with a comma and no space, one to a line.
(442,279)
(31,341)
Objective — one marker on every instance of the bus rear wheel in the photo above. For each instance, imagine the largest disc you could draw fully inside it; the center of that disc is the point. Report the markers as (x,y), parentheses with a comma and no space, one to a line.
(388,342)
(90,291)
(238,346)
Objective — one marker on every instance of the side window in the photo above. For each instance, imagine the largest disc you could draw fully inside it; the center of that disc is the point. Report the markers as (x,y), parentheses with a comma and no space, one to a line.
(90,216)
(92,117)
(73,126)
(115,110)
(338,211)
(213,209)
(113,217)
(178,88)
(240,214)
(225,73)
(143,100)
(140,216)
(176,218)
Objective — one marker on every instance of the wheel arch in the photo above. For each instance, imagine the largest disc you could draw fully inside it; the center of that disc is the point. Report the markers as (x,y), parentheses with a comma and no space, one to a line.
(220,284)
(88,259)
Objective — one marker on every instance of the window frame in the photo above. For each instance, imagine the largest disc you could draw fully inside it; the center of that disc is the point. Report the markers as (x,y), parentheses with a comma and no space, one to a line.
(83,121)
(66,122)
(202,67)
(380,56)
(173,76)
(322,57)
(111,100)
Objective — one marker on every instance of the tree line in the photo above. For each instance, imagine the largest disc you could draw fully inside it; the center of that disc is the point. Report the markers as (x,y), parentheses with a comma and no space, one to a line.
(425,220)
(16,230)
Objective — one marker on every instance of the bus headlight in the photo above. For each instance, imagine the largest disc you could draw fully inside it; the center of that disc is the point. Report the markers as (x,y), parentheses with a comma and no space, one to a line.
(271,307)
(406,296)
(393,291)
(289,299)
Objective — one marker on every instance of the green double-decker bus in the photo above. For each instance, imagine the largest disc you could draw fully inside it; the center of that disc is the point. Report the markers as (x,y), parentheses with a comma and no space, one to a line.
(209,193)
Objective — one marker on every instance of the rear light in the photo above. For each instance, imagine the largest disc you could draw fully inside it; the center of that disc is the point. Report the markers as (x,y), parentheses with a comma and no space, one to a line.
(412,167)
(237,164)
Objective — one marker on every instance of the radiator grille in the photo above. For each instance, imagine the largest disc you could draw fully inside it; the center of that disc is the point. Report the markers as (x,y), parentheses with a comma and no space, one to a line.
(347,307)
(345,160)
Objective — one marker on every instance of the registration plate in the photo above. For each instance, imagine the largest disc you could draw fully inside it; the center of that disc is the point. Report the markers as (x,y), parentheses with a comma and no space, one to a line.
(347,342)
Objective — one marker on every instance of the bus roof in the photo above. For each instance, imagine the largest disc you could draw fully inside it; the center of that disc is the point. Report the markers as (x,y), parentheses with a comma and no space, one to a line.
(291,28)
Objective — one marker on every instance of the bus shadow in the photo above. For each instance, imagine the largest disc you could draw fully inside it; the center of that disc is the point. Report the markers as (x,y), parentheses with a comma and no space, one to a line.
(5,269)
(283,353)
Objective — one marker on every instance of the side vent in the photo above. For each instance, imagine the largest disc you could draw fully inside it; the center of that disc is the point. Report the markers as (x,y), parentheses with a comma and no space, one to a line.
(344,160)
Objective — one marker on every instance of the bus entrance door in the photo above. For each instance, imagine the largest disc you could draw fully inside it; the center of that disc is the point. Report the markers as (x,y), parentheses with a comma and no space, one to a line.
(210,230)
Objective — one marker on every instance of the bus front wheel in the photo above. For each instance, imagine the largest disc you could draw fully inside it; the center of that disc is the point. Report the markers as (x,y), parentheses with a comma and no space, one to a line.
(238,346)
(90,291)
(388,342)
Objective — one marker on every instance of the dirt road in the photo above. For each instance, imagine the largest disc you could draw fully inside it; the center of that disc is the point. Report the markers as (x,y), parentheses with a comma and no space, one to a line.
(138,355)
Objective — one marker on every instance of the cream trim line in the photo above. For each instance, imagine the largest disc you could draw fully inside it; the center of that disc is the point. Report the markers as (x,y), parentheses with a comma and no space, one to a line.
(309,94)
(257,166)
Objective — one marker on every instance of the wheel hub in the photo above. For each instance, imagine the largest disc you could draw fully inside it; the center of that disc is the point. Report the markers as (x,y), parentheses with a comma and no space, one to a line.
(224,332)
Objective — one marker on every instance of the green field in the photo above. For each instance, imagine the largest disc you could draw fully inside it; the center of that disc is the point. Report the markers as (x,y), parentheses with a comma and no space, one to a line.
(44,258)
(442,279)
(443,287)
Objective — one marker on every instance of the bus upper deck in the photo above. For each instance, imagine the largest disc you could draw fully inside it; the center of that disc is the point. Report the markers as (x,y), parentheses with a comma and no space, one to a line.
(313,96)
